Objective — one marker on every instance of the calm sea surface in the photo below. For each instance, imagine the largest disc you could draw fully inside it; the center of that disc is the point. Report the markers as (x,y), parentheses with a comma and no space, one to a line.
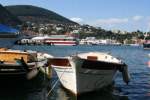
(135,57)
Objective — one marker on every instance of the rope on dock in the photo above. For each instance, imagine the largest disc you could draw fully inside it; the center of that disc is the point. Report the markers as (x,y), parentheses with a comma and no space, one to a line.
(55,83)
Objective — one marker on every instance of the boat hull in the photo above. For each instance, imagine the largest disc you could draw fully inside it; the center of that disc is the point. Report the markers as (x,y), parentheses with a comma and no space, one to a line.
(14,70)
(91,79)
(67,78)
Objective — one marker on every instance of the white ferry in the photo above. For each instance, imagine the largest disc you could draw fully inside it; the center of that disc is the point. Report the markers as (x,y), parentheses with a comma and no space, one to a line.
(61,40)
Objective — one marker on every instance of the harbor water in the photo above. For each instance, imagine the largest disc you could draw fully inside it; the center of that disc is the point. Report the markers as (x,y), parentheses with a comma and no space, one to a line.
(36,89)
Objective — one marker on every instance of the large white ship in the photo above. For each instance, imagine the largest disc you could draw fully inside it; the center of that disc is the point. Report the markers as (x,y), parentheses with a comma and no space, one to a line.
(60,40)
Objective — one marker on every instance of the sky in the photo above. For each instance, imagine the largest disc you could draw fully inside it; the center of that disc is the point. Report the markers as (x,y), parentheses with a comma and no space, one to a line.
(126,15)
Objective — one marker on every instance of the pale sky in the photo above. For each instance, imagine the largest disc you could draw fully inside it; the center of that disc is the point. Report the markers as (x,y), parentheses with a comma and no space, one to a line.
(128,15)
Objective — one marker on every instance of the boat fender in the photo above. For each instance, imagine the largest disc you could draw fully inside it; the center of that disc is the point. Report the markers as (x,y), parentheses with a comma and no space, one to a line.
(125,74)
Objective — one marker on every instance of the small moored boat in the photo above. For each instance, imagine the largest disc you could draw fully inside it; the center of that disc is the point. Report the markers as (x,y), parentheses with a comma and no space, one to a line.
(86,72)
(19,63)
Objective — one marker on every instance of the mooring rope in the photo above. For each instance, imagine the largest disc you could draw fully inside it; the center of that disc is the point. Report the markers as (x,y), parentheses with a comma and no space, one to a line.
(55,83)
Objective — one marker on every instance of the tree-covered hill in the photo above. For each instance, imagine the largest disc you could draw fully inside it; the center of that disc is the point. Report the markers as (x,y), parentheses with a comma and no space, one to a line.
(37,14)
(7,18)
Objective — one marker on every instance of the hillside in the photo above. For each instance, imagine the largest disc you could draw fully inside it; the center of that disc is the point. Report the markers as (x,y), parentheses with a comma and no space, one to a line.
(37,14)
(7,18)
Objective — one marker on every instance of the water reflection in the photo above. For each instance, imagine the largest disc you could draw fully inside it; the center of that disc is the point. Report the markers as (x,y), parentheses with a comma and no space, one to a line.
(108,93)
(21,89)
(37,89)
(101,96)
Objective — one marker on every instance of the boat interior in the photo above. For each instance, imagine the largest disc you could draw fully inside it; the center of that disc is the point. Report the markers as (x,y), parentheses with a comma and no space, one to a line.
(64,62)
(10,56)
(99,56)
(92,56)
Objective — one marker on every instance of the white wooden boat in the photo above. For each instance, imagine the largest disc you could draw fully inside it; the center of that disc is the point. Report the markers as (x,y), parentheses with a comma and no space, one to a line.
(88,72)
